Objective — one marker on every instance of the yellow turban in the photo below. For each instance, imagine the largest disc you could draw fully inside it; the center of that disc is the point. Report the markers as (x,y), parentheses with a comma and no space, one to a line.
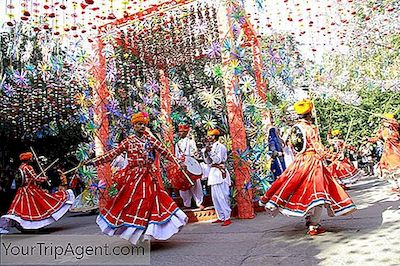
(335,132)
(388,116)
(303,107)
(140,117)
(213,132)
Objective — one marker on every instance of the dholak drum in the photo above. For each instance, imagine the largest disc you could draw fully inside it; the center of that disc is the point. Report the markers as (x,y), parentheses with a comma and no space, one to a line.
(193,168)
(180,178)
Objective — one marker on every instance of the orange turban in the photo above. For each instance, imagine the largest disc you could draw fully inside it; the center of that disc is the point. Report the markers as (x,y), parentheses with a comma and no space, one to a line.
(140,117)
(183,128)
(26,156)
(303,107)
(213,132)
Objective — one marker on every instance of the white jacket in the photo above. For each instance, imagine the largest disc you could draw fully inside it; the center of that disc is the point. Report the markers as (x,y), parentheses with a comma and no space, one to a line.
(185,147)
(218,155)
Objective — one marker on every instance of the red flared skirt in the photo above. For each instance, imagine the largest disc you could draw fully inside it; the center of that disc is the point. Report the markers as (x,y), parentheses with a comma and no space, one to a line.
(344,172)
(34,204)
(389,164)
(139,201)
(305,184)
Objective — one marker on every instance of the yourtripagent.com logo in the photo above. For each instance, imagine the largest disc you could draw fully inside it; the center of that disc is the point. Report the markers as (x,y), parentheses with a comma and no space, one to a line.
(89,250)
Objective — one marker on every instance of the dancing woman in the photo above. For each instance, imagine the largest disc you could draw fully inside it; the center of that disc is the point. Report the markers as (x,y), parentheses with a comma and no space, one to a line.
(32,207)
(340,168)
(141,207)
(306,186)
(389,165)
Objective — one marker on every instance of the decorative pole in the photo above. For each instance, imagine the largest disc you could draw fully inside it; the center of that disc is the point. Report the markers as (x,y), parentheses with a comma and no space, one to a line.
(252,39)
(167,130)
(100,94)
(165,99)
(257,66)
(236,125)
(262,85)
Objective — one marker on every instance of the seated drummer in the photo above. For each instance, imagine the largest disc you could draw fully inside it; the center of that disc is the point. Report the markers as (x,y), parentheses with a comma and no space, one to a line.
(187,147)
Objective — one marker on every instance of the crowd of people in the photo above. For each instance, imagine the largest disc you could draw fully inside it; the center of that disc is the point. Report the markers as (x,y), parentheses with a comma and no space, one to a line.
(308,177)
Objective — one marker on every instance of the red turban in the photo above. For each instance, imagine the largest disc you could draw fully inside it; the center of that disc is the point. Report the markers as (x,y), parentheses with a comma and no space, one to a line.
(26,156)
(183,128)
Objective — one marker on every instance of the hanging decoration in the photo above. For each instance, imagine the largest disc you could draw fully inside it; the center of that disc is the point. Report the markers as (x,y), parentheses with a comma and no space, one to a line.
(45,84)
(38,84)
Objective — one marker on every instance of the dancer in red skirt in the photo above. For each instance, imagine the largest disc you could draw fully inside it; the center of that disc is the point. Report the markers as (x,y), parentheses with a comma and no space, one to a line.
(389,165)
(141,206)
(32,207)
(306,186)
(341,168)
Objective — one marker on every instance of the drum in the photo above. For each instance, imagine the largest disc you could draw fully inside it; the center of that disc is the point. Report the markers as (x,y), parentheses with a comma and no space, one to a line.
(180,178)
(193,166)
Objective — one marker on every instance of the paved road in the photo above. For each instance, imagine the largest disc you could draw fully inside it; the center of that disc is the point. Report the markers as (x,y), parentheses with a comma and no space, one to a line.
(370,236)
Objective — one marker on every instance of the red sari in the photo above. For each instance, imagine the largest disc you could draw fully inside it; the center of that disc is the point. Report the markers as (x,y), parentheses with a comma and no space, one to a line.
(307,183)
(389,164)
(34,208)
(141,206)
(341,169)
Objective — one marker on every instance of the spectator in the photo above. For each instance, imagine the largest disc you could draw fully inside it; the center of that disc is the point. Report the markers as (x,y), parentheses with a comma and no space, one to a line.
(367,159)
(353,156)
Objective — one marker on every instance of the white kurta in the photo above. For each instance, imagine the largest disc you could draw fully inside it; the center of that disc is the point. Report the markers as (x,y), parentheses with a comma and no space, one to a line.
(187,147)
(205,166)
(219,184)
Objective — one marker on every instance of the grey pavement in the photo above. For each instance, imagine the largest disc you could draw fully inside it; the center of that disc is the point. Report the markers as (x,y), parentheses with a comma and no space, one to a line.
(370,236)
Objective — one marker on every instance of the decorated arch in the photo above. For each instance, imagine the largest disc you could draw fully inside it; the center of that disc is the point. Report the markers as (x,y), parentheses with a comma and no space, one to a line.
(176,60)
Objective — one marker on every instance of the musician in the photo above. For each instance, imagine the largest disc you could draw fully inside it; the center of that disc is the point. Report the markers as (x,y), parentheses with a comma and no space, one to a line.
(32,207)
(218,177)
(187,147)
(141,206)
(306,186)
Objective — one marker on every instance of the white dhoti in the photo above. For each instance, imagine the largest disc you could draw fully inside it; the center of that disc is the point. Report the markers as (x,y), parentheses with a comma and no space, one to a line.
(221,200)
(195,192)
